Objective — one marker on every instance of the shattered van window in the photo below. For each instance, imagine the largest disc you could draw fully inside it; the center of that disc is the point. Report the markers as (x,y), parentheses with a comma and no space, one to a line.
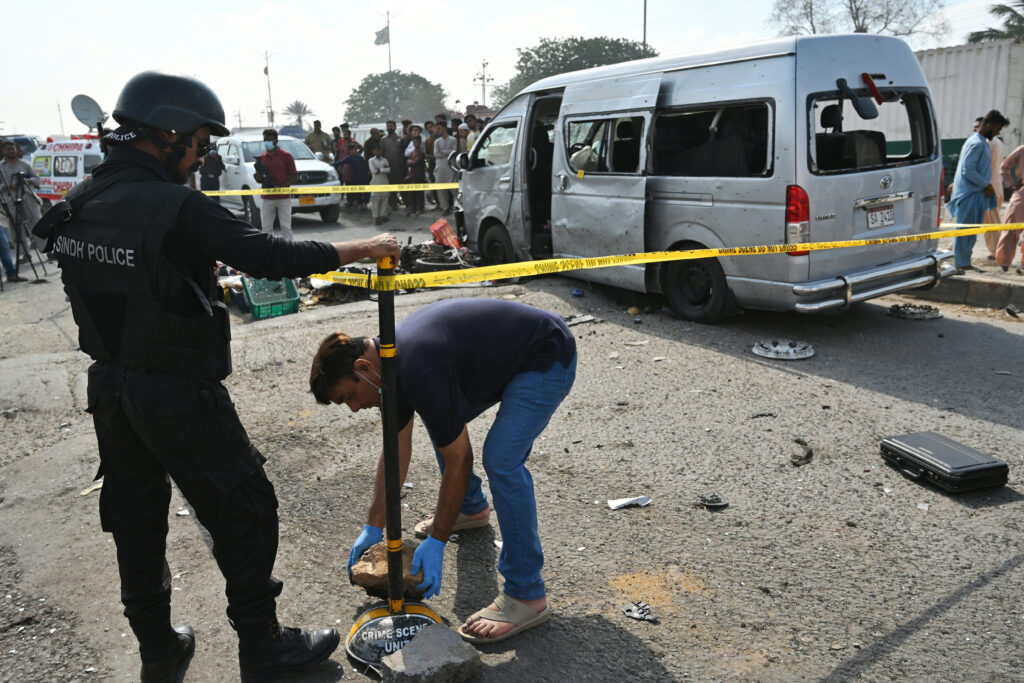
(843,142)
(730,140)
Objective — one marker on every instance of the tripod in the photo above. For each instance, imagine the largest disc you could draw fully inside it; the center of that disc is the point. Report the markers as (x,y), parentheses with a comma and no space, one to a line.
(14,193)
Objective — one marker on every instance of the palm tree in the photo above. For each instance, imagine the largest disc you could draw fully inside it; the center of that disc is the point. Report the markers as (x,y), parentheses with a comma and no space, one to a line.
(298,109)
(1012,15)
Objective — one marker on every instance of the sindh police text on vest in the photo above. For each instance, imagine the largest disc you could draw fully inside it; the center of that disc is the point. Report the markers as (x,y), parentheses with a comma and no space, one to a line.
(100,253)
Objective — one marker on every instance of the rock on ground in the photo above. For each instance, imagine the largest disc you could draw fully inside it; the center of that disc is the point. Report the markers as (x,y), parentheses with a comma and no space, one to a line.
(371,571)
(436,654)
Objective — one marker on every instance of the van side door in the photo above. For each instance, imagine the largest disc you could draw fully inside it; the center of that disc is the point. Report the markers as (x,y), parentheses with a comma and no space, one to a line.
(487,186)
(600,174)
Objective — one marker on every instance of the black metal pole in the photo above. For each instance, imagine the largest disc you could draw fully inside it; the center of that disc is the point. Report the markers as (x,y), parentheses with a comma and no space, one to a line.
(389,419)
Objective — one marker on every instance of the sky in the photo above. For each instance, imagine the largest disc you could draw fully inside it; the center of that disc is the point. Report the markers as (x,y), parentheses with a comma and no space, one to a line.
(319,51)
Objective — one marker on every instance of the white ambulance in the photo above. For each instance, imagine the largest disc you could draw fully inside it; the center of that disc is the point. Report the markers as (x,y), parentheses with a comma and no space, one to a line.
(63,164)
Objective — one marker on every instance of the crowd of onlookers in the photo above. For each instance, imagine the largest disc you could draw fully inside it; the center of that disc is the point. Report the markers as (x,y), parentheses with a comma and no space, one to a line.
(416,154)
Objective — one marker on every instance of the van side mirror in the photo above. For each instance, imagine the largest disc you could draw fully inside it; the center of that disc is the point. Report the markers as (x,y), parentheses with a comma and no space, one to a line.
(231,160)
(320,156)
(462,161)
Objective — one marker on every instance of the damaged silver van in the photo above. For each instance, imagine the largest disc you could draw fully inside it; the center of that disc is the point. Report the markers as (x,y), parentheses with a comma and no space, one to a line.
(782,142)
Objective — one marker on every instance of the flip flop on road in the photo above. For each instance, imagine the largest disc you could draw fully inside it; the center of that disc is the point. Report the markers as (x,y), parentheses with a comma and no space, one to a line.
(510,611)
(462,522)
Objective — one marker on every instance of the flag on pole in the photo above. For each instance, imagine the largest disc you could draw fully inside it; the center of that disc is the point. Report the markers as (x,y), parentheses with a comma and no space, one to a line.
(266,71)
(383,36)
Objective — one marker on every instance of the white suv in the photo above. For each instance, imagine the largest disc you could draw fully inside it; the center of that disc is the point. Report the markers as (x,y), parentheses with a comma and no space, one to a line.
(239,154)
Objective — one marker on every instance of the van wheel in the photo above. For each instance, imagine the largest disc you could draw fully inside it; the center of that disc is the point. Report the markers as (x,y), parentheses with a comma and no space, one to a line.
(495,246)
(330,214)
(696,290)
(251,212)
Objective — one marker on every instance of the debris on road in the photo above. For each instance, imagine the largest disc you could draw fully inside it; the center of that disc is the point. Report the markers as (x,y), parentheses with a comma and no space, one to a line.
(641,342)
(435,653)
(914,312)
(783,349)
(183,512)
(640,611)
(712,501)
(1012,311)
(757,415)
(639,501)
(801,459)
(579,319)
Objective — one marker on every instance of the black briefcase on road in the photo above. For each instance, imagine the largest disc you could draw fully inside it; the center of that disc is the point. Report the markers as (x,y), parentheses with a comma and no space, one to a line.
(953,467)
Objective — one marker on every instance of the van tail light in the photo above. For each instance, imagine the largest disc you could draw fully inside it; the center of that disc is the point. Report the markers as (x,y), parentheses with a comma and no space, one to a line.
(798,218)
(942,193)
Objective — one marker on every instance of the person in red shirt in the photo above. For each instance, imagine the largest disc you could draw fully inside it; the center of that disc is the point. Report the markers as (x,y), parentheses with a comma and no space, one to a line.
(276,168)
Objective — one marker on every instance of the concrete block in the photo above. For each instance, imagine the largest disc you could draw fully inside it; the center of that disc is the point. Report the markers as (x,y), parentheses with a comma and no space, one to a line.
(436,655)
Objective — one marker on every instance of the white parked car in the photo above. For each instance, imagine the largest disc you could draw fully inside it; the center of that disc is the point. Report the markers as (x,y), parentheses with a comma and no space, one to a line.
(239,154)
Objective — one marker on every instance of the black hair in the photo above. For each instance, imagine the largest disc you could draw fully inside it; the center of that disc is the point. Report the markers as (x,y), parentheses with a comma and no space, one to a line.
(271,132)
(334,360)
(996,117)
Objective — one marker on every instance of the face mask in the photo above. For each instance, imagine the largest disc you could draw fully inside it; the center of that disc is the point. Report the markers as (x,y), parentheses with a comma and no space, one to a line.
(380,389)
(269,145)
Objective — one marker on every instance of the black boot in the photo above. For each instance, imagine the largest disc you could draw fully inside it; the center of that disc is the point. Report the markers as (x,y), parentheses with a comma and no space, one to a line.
(172,668)
(279,650)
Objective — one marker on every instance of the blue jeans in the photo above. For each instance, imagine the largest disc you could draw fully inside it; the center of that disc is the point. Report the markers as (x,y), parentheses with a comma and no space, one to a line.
(5,253)
(527,404)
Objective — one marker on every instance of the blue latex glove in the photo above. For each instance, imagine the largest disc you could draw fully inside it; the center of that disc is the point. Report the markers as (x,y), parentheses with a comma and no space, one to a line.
(370,537)
(429,558)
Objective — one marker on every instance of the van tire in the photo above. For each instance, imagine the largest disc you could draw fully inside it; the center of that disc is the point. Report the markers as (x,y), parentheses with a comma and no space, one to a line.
(251,212)
(696,290)
(330,214)
(496,246)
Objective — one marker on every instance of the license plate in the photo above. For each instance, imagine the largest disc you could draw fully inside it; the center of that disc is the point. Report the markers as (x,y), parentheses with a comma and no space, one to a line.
(881,217)
(310,199)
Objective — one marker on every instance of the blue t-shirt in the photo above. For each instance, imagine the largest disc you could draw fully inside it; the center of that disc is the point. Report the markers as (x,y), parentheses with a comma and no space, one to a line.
(457,353)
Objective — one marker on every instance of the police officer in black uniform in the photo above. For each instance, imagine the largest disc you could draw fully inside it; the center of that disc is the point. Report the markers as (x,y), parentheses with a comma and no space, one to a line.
(136,250)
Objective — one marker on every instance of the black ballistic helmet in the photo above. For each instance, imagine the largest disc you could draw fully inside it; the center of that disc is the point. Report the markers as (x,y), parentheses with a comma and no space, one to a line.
(169,102)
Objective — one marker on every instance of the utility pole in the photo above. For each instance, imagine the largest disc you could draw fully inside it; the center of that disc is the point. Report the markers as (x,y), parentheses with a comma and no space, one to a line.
(270,100)
(483,79)
(645,23)
(238,115)
(61,117)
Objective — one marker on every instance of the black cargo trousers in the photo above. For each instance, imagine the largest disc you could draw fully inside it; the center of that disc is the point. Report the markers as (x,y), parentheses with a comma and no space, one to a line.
(149,426)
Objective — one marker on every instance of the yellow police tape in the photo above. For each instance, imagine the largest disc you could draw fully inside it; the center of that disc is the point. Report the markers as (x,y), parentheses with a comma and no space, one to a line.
(383,283)
(335,189)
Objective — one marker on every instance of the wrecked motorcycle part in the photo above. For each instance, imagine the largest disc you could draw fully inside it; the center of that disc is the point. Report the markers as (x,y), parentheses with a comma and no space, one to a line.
(783,349)
(914,312)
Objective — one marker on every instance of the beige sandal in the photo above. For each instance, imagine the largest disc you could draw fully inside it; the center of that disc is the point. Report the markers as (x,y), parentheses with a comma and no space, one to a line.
(462,522)
(511,611)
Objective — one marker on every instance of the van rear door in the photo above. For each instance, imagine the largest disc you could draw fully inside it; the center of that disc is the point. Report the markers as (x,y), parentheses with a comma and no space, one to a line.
(599,174)
(866,176)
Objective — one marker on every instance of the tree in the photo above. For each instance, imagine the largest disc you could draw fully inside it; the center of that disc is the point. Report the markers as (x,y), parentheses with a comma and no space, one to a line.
(394,95)
(1013,24)
(298,109)
(883,17)
(552,56)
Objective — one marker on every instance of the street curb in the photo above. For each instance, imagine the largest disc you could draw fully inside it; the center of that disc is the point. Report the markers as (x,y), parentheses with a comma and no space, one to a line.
(973,292)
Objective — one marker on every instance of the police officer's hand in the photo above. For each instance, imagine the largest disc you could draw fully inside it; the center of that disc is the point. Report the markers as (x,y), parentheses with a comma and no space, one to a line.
(383,245)
(370,537)
(429,558)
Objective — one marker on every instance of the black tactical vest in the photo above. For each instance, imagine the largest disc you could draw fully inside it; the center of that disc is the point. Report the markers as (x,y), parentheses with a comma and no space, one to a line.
(119,281)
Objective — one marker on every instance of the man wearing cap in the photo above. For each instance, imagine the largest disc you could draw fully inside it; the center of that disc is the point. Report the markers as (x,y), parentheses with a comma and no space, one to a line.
(136,250)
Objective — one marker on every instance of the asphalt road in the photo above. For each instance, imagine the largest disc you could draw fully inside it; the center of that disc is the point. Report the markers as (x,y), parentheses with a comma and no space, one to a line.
(839,569)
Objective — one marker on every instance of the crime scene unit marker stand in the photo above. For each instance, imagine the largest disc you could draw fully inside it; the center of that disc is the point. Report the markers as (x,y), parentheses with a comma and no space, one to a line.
(387,628)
